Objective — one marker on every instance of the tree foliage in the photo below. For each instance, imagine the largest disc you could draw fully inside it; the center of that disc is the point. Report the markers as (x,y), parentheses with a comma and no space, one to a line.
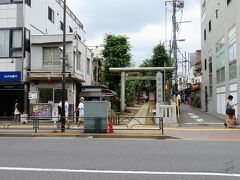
(116,53)
(158,58)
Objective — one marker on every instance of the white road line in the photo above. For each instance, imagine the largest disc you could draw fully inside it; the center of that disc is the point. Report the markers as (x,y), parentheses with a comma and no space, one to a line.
(118,172)
(194,116)
(200,120)
(190,114)
(210,123)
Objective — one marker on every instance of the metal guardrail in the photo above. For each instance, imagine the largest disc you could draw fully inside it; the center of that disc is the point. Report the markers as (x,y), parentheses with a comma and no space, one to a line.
(120,122)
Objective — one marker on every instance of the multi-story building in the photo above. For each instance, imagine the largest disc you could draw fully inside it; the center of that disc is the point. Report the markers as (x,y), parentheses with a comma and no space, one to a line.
(30,53)
(220,37)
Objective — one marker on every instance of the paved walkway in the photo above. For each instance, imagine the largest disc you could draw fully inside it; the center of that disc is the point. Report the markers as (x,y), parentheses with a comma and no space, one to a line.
(139,117)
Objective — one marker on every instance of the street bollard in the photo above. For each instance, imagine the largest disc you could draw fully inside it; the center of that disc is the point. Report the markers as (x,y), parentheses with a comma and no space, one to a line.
(161,123)
(35,124)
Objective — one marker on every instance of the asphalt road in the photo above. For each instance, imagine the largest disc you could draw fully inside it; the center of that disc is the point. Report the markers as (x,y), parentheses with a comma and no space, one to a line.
(195,117)
(120,159)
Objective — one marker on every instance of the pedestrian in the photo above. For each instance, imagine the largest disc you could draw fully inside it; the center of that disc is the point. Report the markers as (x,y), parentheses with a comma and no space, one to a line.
(80,108)
(230,112)
(66,108)
(16,111)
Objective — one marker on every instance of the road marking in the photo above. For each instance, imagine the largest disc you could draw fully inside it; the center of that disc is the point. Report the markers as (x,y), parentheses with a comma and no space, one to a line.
(200,120)
(210,123)
(118,172)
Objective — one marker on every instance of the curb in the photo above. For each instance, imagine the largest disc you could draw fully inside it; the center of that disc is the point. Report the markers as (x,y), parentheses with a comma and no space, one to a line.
(135,136)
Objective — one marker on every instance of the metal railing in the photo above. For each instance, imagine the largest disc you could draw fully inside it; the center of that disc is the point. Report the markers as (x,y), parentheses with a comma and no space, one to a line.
(88,124)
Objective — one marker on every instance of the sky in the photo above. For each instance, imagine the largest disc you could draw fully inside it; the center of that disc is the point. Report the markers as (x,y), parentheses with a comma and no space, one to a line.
(142,21)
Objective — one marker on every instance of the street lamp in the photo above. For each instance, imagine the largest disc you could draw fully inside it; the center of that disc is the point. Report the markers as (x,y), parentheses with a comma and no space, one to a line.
(63,69)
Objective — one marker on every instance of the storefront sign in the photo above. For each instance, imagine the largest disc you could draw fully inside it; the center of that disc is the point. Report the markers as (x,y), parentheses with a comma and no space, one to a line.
(32,95)
(13,76)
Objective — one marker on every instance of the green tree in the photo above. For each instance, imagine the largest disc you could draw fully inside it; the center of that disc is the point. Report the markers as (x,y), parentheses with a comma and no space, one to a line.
(116,53)
(158,58)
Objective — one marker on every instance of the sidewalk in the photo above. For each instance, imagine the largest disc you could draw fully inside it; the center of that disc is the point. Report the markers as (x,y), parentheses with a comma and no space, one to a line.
(145,132)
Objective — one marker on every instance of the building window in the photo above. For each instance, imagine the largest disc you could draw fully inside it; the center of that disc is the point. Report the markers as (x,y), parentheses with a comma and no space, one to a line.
(210,73)
(205,34)
(228,1)
(50,94)
(216,13)
(51,56)
(78,59)
(50,14)
(28,2)
(11,43)
(232,53)
(70,29)
(61,25)
(205,64)
(4,43)
(16,50)
(210,26)
(10,1)
(220,62)
(88,66)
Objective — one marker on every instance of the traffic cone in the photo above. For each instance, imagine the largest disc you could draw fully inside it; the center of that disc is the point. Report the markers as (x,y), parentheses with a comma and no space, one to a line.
(110,126)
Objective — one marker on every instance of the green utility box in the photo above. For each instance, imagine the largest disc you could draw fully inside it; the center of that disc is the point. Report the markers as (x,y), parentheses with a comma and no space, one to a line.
(96,116)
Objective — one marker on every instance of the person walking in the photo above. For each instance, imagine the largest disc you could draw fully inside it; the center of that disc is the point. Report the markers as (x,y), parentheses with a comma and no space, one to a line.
(230,112)
(16,111)
(80,108)
(66,108)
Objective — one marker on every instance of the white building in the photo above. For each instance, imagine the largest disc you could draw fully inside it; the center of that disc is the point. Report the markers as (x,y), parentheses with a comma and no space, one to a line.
(220,38)
(30,36)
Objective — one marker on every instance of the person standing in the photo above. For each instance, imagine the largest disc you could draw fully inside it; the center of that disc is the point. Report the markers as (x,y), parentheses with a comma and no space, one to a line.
(16,111)
(230,112)
(80,108)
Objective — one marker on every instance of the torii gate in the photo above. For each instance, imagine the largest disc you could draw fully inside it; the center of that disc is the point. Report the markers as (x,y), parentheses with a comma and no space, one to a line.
(158,79)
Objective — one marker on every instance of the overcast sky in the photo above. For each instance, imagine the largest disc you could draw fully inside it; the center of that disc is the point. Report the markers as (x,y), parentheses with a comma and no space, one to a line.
(143,21)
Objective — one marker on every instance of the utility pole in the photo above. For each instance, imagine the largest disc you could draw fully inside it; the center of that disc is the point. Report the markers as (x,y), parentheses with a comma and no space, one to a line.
(63,69)
(174,44)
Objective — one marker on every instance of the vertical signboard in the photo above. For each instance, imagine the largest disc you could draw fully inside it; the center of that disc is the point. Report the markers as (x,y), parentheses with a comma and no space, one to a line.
(159,87)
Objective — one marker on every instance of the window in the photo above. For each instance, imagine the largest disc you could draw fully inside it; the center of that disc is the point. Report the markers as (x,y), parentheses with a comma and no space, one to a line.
(210,26)
(61,25)
(216,13)
(88,66)
(11,43)
(78,59)
(50,14)
(50,94)
(27,40)
(70,29)
(4,43)
(228,1)
(205,64)
(205,34)
(28,2)
(220,62)
(10,1)
(232,53)
(51,56)
(45,95)
(210,73)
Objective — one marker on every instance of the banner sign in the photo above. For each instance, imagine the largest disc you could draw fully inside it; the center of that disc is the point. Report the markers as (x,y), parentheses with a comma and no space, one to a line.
(42,110)
(10,76)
